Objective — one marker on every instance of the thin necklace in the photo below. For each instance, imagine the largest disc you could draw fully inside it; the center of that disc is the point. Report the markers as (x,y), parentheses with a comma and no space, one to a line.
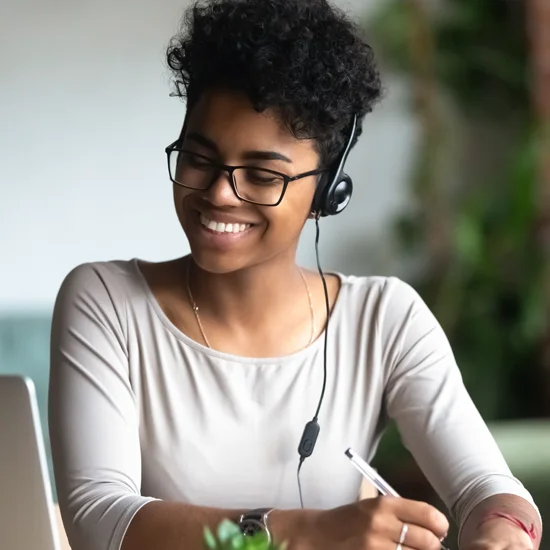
(195,308)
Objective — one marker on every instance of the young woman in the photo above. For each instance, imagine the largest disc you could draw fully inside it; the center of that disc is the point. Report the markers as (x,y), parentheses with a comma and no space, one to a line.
(180,390)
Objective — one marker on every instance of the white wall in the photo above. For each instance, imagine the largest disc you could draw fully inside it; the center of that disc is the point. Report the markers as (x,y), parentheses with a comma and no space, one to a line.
(84,119)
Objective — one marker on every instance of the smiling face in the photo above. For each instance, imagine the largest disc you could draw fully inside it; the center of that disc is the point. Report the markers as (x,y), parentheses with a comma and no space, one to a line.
(226,233)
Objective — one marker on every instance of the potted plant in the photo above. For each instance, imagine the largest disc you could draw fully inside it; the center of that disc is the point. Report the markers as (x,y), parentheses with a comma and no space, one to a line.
(229,537)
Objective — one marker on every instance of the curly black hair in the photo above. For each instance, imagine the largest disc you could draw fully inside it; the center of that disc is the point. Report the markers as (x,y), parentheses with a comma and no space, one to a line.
(305,59)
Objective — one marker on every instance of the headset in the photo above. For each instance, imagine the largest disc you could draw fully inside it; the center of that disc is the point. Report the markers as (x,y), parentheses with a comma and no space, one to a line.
(331,197)
(334,192)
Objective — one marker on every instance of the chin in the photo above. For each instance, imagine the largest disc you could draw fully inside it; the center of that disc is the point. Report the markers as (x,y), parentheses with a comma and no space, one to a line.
(219,263)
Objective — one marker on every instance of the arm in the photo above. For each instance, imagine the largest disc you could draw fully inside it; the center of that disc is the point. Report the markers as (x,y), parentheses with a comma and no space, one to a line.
(169,525)
(92,414)
(94,430)
(435,415)
(502,521)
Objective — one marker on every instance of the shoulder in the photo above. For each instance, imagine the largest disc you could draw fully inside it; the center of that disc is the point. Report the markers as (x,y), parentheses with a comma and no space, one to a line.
(99,290)
(386,308)
(97,277)
(395,324)
(390,296)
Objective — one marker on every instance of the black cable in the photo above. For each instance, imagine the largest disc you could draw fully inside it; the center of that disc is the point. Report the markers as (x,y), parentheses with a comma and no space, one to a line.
(312,427)
(327,306)
(300,483)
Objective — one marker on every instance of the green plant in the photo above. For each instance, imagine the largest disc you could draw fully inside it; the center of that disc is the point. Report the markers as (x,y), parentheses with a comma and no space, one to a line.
(481,267)
(229,537)
(480,48)
(489,295)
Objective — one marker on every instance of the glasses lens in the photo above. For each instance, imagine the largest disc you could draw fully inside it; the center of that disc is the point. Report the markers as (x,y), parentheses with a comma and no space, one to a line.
(259,186)
(191,170)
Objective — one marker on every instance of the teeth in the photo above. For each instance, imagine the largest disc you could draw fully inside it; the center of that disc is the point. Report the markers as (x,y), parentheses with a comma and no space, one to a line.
(224,227)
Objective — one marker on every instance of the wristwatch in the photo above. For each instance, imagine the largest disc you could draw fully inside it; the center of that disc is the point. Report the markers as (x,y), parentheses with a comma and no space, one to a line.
(254,522)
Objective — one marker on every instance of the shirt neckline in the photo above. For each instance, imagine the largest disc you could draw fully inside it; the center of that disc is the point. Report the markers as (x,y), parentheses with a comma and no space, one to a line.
(201,348)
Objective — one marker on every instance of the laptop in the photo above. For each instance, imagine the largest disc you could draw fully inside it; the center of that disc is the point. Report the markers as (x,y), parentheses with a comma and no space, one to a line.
(27,519)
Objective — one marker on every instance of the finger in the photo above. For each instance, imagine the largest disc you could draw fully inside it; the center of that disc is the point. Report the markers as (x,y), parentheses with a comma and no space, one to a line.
(418,538)
(398,532)
(421,514)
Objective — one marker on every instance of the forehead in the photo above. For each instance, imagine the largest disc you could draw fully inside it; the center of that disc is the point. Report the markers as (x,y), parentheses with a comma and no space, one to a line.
(231,122)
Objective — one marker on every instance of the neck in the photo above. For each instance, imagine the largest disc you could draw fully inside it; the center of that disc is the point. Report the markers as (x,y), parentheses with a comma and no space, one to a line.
(241,298)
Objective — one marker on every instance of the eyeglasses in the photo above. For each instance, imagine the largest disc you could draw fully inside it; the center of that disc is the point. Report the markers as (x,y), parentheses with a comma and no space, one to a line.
(250,184)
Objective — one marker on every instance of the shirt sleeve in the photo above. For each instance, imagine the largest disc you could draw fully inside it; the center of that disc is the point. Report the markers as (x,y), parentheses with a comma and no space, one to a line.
(93,416)
(436,418)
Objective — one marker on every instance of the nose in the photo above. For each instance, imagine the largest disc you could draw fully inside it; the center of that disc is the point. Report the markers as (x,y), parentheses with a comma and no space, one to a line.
(221,192)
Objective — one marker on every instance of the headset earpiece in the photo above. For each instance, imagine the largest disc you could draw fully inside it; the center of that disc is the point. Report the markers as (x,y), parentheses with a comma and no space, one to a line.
(334,192)
(339,196)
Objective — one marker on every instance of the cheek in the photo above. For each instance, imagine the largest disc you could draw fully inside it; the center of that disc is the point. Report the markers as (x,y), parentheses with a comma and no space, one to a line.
(289,217)
(299,197)
(181,195)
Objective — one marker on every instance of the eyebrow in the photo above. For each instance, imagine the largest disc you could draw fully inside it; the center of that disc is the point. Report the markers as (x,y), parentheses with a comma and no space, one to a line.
(248,155)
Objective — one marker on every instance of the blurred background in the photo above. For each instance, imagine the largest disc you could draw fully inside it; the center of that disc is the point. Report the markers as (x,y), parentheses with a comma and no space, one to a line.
(452,185)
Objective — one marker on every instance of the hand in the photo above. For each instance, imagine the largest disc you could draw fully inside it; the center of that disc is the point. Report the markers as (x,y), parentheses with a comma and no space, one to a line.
(499,534)
(376,524)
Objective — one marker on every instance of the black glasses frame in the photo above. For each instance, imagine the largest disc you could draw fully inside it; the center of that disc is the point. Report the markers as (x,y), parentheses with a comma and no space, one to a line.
(220,167)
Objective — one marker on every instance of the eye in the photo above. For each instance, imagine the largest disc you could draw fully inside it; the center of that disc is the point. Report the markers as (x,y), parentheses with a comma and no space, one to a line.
(194,161)
(261,177)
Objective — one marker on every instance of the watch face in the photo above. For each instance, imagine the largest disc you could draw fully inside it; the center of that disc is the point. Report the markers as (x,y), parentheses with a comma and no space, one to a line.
(250,527)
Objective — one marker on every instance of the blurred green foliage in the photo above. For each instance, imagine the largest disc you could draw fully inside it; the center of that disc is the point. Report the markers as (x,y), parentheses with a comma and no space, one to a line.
(485,286)
(488,295)
(481,48)
(229,537)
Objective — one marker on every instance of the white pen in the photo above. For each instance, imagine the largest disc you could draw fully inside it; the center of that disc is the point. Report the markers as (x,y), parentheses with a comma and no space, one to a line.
(374,477)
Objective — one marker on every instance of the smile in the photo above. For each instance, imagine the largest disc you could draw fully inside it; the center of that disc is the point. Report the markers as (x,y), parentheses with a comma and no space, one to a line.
(219,227)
